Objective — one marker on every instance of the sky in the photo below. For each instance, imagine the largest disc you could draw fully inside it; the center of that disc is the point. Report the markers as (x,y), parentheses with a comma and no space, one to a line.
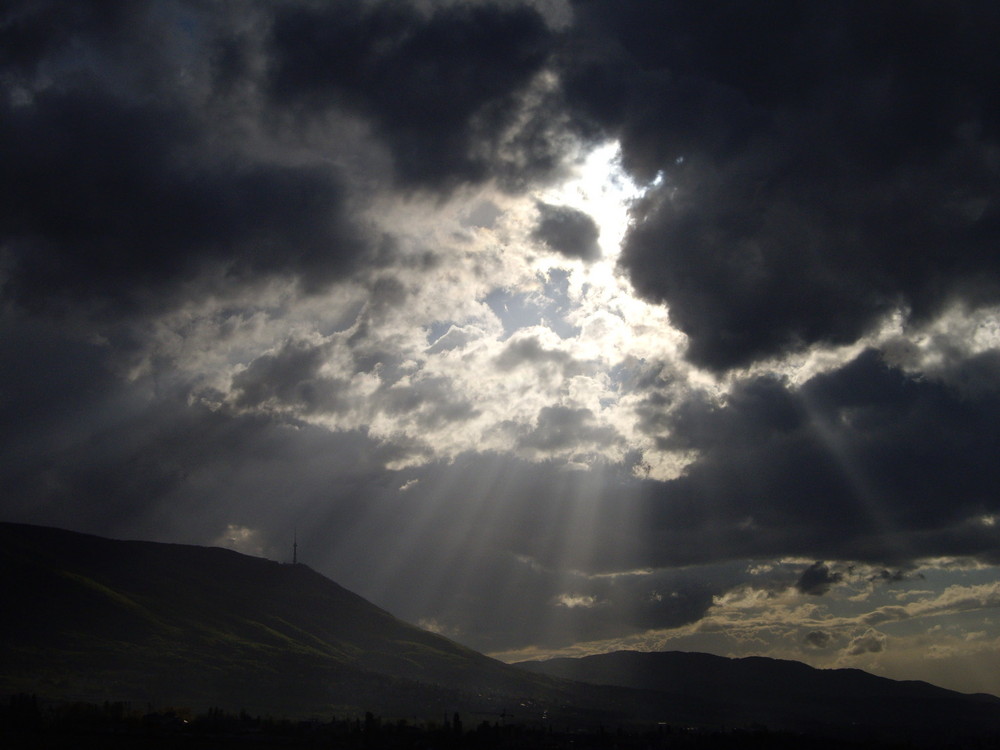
(554,327)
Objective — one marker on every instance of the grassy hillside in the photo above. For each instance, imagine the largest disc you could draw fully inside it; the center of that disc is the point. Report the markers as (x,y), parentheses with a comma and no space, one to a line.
(96,619)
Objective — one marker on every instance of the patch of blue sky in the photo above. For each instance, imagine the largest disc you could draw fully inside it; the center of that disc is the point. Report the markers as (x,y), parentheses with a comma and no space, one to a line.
(438,329)
(517,310)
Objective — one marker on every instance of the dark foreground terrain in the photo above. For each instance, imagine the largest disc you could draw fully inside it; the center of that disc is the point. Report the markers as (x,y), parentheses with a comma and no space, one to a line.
(109,643)
(789,695)
(27,724)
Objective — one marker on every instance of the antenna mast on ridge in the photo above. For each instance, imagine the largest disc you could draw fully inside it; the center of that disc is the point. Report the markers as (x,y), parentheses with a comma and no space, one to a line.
(295,547)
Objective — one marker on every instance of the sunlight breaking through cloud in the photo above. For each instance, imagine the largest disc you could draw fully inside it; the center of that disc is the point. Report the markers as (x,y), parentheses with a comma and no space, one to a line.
(645,321)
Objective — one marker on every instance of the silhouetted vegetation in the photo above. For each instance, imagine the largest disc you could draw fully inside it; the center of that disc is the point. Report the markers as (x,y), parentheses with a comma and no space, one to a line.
(27,722)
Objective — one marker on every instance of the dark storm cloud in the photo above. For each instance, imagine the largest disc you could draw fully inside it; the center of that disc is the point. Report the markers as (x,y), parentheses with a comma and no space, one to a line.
(568,231)
(441,88)
(817,579)
(673,606)
(821,164)
(34,32)
(864,462)
(818,639)
(892,576)
(112,193)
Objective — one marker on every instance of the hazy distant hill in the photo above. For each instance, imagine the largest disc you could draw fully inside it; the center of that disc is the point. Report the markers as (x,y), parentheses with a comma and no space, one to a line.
(784,694)
(94,619)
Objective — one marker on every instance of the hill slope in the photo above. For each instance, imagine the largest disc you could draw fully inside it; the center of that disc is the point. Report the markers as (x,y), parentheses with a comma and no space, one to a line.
(98,619)
(784,694)
(92,619)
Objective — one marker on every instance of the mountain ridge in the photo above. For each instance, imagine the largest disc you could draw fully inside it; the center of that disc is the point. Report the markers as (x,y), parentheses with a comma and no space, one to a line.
(97,620)
(792,694)
(96,606)
(729,663)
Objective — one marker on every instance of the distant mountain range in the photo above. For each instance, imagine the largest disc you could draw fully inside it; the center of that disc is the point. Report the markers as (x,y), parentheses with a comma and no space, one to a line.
(789,695)
(90,619)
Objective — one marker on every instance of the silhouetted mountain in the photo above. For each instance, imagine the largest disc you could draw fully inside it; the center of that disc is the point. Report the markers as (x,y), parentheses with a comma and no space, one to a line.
(94,619)
(91,619)
(788,695)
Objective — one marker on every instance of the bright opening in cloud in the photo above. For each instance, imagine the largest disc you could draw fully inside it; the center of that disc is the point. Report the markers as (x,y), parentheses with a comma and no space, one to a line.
(602,189)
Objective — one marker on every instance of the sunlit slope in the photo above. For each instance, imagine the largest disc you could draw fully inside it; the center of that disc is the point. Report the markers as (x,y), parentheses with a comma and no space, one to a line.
(786,694)
(96,619)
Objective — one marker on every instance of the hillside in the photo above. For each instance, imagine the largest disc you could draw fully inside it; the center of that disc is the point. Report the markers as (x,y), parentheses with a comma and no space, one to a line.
(94,620)
(784,694)
(97,619)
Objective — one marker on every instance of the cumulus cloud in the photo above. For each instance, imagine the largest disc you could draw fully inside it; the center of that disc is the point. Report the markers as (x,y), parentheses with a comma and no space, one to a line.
(568,231)
(818,639)
(561,428)
(817,579)
(801,171)
(289,379)
(575,600)
(529,350)
(241,539)
(869,642)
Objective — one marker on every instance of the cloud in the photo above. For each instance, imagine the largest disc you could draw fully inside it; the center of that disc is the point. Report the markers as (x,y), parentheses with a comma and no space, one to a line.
(430,401)
(166,480)
(568,231)
(819,639)
(241,539)
(869,642)
(954,599)
(817,579)
(455,338)
(860,463)
(561,428)
(673,604)
(148,197)
(529,350)
(575,600)
(289,379)
(443,88)
(820,168)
